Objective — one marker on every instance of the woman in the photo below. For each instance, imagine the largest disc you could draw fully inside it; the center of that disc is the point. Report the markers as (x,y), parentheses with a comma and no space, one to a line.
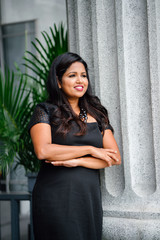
(73,139)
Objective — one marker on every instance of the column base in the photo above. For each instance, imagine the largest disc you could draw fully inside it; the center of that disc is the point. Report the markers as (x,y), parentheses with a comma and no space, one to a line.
(130,229)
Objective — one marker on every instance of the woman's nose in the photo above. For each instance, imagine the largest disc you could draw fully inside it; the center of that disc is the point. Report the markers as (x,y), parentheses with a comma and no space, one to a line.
(79,79)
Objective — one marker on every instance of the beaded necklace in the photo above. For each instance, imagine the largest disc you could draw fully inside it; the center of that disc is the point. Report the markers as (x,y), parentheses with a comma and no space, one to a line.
(83,115)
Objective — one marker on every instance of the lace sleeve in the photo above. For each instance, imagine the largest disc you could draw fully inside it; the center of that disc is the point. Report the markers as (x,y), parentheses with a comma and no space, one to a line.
(109,127)
(41,114)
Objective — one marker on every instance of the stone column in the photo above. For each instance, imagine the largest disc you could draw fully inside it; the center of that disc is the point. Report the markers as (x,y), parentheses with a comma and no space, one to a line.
(120,40)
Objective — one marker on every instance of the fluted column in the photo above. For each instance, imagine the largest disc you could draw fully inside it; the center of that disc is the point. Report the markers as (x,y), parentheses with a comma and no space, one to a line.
(120,40)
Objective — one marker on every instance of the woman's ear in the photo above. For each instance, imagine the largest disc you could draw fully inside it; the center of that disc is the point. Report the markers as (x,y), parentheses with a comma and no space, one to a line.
(59,84)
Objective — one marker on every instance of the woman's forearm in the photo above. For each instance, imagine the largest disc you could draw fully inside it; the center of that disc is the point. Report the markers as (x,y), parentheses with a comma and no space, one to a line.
(93,163)
(55,152)
(87,162)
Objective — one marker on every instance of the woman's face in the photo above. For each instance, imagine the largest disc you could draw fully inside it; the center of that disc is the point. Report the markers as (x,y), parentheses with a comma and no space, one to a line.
(74,81)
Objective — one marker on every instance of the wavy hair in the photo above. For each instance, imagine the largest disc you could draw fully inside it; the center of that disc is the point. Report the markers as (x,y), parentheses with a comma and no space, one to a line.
(63,116)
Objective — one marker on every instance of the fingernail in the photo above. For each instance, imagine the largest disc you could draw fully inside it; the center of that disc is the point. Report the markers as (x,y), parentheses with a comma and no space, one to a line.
(117,159)
(115,151)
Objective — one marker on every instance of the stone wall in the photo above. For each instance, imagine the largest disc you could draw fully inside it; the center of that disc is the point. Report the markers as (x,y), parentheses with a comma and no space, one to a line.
(120,40)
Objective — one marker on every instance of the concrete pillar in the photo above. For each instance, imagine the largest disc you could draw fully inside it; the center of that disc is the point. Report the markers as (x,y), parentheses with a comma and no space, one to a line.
(120,40)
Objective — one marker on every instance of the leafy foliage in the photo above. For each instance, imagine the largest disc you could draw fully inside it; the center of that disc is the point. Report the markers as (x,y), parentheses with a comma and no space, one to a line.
(19,94)
(56,44)
(14,108)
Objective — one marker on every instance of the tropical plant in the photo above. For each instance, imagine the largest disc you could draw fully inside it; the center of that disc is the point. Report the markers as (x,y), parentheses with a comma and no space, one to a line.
(14,111)
(19,95)
(54,44)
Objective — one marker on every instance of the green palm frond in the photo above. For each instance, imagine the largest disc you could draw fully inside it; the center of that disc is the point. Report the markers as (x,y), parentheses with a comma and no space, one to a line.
(14,104)
(20,93)
(55,43)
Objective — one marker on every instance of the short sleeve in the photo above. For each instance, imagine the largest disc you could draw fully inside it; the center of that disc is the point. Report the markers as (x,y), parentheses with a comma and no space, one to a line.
(109,127)
(41,114)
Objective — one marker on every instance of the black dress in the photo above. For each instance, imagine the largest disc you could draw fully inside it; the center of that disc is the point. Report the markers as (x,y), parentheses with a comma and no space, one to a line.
(67,201)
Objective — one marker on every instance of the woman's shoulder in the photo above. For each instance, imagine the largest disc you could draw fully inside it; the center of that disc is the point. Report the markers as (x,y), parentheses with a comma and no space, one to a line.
(42,114)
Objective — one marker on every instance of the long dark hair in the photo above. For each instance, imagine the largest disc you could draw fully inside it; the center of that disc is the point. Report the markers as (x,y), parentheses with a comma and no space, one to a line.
(63,115)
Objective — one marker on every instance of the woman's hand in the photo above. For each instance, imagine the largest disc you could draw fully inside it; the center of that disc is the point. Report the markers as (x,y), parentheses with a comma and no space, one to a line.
(107,155)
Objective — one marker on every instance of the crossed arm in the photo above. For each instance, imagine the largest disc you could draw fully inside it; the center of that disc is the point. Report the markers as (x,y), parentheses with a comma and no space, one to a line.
(73,156)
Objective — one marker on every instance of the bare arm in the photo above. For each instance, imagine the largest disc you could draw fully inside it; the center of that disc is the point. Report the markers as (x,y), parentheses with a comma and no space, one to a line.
(87,162)
(109,142)
(94,162)
(44,149)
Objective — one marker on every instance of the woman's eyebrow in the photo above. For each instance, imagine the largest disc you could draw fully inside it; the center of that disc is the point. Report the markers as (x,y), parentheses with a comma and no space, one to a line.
(75,72)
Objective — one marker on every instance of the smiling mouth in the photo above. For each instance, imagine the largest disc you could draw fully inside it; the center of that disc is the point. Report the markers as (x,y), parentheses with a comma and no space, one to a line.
(79,88)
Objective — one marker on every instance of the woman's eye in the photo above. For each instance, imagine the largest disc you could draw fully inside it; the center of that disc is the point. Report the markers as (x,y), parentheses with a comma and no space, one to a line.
(73,75)
(84,76)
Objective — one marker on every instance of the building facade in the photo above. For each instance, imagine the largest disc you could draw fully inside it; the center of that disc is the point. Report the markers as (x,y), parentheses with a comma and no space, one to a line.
(120,40)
